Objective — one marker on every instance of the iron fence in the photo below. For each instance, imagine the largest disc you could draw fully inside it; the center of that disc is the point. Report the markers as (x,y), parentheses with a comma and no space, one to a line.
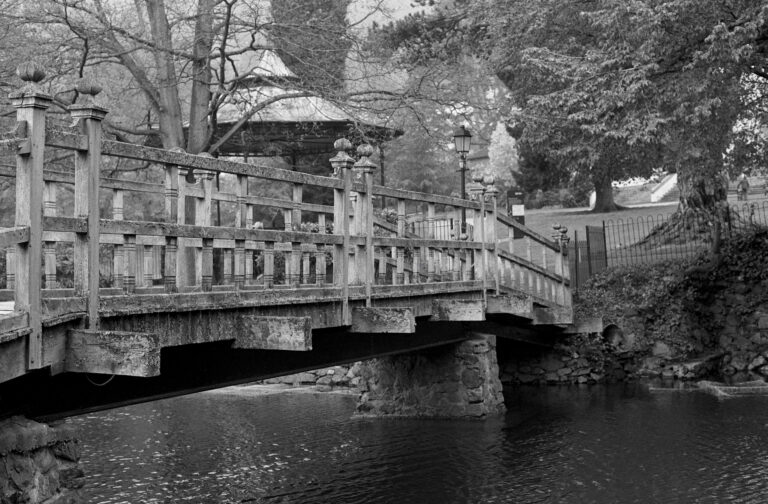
(655,238)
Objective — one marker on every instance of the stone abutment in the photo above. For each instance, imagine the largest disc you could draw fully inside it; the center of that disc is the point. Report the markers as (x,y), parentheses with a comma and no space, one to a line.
(38,463)
(454,381)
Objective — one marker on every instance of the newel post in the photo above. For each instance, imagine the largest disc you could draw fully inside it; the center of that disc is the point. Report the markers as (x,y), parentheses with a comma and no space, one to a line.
(30,103)
(342,162)
(491,229)
(89,115)
(366,167)
(477,193)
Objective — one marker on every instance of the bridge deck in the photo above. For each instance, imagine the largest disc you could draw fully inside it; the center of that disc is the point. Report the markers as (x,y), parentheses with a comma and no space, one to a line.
(198,251)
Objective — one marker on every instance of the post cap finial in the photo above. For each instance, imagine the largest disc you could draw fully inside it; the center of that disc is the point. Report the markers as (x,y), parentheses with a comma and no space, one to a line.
(365,150)
(364,164)
(341,160)
(88,87)
(31,71)
(342,145)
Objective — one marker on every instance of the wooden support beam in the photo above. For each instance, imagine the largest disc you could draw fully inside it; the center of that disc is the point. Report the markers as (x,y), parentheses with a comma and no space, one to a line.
(519,305)
(274,333)
(383,320)
(113,353)
(539,336)
(458,310)
(552,315)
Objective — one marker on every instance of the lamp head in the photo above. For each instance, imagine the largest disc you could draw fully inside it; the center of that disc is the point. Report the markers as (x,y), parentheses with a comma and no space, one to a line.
(462,139)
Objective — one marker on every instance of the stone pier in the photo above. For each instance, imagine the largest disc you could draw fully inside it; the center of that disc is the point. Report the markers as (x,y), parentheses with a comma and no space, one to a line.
(455,381)
(38,463)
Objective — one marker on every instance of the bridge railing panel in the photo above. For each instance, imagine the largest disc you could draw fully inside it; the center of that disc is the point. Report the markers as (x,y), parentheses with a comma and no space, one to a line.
(204,228)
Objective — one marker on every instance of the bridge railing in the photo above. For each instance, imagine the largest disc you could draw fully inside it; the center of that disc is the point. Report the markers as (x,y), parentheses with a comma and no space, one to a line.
(343,250)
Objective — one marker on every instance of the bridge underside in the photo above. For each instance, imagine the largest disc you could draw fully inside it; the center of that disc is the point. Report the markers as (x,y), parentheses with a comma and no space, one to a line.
(176,352)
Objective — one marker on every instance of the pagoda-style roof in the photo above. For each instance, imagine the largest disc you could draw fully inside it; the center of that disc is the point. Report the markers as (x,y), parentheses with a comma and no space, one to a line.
(290,125)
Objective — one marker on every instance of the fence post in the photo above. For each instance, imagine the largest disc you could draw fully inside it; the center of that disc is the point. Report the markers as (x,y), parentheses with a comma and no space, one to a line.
(87,179)
(365,166)
(31,104)
(342,162)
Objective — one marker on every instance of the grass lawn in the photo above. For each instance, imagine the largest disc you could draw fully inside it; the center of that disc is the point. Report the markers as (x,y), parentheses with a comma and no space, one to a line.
(577,218)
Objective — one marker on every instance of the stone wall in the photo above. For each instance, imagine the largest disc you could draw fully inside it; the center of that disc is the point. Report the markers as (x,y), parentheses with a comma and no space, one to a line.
(38,463)
(460,380)
(324,379)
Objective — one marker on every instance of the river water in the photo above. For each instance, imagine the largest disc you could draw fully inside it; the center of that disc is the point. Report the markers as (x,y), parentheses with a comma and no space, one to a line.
(603,444)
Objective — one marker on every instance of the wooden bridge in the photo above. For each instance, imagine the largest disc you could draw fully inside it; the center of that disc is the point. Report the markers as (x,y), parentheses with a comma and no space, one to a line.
(150,307)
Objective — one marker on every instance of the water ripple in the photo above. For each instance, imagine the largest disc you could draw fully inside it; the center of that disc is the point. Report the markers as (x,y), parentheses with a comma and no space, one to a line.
(556,445)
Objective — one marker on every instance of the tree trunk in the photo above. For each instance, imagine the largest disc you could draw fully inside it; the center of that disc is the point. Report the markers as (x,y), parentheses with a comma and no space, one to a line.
(604,196)
(169,114)
(702,187)
(201,78)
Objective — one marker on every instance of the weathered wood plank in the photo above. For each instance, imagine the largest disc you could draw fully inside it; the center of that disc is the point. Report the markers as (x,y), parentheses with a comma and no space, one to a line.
(31,109)
(13,236)
(458,310)
(274,333)
(520,305)
(112,352)
(13,322)
(161,156)
(383,320)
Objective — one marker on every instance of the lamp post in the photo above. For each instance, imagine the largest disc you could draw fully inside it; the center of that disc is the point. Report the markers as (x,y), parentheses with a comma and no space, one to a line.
(462,139)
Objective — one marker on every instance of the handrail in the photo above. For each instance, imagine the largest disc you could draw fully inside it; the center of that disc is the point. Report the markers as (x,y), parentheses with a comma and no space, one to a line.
(509,221)
(154,259)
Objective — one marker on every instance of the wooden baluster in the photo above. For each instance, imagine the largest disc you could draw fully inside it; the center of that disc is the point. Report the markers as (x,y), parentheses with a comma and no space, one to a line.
(239,264)
(185,213)
(149,266)
(295,278)
(129,280)
(171,249)
(383,265)
(171,201)
(249,245)
(305,263)
(157,263)
(206,277)
(298,190)
(528,257)
(203,218)
(118,262)
(399,277)
(415,265)
(430,264)
(139,265)
(87,180)
(241,210)
(49,251)
(320,266)
(227,266)
(10,268)
(269,264)
(456,265)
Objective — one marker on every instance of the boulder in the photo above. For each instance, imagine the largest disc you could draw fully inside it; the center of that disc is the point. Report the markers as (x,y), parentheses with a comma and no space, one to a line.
(661,349)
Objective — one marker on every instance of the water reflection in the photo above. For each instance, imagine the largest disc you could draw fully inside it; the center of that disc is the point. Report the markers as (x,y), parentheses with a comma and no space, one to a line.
(596,444)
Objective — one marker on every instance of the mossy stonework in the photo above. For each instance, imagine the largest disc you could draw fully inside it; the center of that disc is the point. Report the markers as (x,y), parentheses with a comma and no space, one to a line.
(38,463)
(681,320)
